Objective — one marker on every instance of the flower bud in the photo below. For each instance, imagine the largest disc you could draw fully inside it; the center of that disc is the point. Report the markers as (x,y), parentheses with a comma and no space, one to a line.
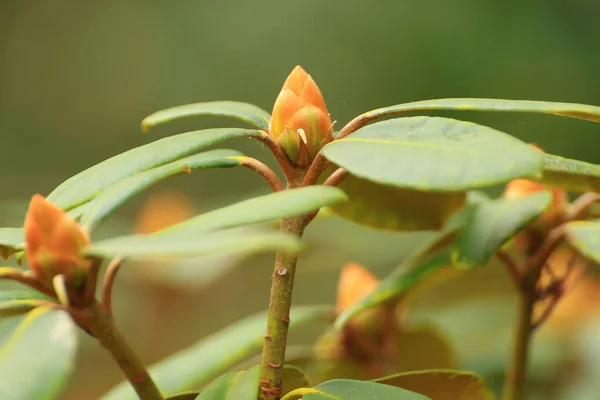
(300,122)
(355,283)
(53,241)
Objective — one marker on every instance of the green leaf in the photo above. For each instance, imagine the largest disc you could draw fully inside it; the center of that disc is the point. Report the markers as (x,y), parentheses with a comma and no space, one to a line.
(423,347)
(571,175)
(89,183)
(283,204)
(244,111)
(193,367)
(347,389)
(584,236)
(148,246)
(409,274)
(37,354)
(434,154)
(11,241)
(442,384)
(15,302)
(242,385)
(114,196)
(293,378)
(396,209)
(492,224)
(573,110)
(190,395)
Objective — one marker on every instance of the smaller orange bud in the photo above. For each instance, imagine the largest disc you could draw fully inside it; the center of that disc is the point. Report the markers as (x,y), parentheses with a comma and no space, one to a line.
(300,122)
(355,283)
(53,241)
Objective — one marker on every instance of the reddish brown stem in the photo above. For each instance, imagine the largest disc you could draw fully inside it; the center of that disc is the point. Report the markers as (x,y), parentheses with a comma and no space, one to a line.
(26,278)
(288,169)
(511,267)
(108,282)
(264,171)
(335,178)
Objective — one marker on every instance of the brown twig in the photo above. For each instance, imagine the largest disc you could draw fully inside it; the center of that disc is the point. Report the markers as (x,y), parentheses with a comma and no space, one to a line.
(288,169)
(550,243)
(264,171)
(317,167)
(26,278)
(107,284)
(511,267)
(335,178)
(580,206)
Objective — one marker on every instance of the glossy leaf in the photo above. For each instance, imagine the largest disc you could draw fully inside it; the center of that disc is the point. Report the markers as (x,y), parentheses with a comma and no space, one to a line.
(190,395)
(347,389)
(442,384)
(114,196)
(395,209)
(492,224)
(434,154)
(242,385)
(287,203)
(37,354)
(408,275)
(89,183)
(423,347)
(572,175)
(236,109)
(293,378)
(573,110)
(193,367)
(15,302)
(11,241)
(148,246)
(584,236)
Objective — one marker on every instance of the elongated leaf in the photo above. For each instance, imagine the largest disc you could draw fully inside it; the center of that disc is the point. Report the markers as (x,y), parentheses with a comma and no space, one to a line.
(423,347)
(585,237)
(572,175)
(293,378)
(410,273)
(287,203)
(11,241)
(573,110)
(442,384)
(110,199)
(396,209)
(144,246)
(233,386)
(89,183)
(492,224)
(347,389)
(14,302)
(37,354)
(434,154)
(189,395)
(193,367)
(236,109)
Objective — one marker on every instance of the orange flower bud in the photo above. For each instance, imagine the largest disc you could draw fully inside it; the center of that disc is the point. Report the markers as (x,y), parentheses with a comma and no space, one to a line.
(356,282)
(300,122)
(53,240)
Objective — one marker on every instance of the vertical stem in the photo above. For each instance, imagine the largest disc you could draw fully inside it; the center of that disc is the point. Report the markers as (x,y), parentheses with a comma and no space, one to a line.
(103,328)
(279,315)
(516,374)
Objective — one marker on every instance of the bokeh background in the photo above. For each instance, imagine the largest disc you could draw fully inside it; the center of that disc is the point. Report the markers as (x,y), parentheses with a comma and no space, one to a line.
(76,78)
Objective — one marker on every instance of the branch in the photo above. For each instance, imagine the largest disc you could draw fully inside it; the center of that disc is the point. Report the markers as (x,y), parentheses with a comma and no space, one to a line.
(288,169)
(108,282)
(335,178)
(26,278)
(512,268)
(550,243)
(580,206)
(264,171)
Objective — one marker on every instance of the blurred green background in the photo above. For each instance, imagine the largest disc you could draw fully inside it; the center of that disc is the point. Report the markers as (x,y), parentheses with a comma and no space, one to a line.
(76,78)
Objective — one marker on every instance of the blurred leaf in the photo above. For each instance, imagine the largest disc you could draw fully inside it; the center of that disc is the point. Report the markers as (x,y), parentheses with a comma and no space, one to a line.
(442,384)
(395,209)
(573,110)
(145,246)
(191,395)
(242,385)
(114,196)
(572,175)
(89,183)
(283,204)
(409,274)
(293,378)
(37,354)
(423,348)
(434,154)
(193,367)
(493,223)
(346,389)
(11,239)
(244,111)
(584,236)
(14,302)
